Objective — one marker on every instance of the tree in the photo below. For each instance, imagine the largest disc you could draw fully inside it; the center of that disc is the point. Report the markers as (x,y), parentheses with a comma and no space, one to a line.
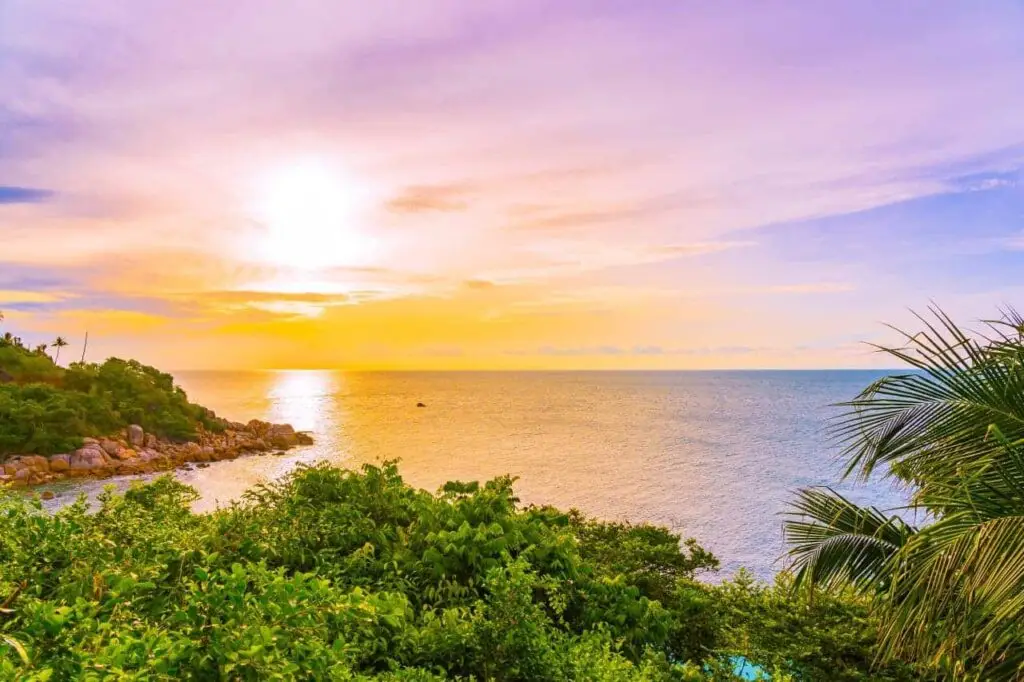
(58,343)
(951,593)
(9,339)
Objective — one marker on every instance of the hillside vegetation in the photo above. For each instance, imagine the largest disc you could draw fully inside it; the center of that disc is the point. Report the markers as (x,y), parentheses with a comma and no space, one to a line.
(46,409)
(339,575)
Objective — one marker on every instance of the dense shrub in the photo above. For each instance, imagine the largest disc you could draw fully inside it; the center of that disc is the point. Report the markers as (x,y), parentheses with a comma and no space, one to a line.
(48,409)
(333,574)
(25,366)
(43,419)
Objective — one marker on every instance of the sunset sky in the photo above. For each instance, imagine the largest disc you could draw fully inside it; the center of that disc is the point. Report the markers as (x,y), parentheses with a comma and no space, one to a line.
(506,184)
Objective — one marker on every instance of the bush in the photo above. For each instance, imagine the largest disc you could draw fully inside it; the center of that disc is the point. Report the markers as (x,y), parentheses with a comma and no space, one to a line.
(25,366)
(333,574)
(812,636)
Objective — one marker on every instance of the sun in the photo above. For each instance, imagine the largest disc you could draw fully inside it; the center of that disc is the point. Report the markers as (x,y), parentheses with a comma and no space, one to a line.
(309,212)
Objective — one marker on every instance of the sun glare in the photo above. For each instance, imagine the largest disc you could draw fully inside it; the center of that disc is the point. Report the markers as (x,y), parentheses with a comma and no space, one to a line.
(309,211)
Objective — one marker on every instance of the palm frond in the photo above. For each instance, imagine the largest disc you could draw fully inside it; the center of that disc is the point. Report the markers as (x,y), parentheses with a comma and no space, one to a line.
(950,595)
(966,570)
(928,422)
(833,541)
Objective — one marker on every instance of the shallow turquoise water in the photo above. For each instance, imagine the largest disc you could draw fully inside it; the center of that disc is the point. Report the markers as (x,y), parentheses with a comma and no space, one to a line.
(714,455)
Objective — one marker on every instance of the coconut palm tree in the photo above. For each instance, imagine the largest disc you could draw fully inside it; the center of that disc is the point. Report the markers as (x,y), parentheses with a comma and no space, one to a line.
(58,343)
(949,593)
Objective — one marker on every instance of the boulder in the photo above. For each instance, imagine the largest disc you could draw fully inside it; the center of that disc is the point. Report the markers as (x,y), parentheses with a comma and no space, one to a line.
(37,463)
(59,463)
(281,439)
(147,456)
(191,450)
(111,447)
(87,459)
(127,454)
(150,441)
(13,465)
(136,436)
(47,495)
(303,438)
(89,441)
(225,453)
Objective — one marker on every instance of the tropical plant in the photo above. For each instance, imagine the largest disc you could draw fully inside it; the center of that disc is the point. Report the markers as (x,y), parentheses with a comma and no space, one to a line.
(341,575)
(950,593)
(11,341)
(58,343)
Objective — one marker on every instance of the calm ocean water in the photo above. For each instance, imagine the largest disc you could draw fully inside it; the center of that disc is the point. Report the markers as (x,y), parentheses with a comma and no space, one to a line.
(713,455)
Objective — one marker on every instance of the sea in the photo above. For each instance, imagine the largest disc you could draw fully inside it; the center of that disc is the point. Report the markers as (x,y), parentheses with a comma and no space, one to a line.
(714,455)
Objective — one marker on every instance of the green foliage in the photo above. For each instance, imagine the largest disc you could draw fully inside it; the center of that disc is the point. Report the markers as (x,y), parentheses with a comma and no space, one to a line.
(48,409)
(25,366)
(810,636)
(949,594)
(139,394)
(44,419)
(334,574)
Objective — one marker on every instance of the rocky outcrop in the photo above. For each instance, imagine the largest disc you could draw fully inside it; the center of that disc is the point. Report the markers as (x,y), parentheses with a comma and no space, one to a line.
(136,452)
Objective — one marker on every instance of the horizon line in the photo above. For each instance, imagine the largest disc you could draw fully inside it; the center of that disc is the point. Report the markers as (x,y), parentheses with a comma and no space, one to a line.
(550,370)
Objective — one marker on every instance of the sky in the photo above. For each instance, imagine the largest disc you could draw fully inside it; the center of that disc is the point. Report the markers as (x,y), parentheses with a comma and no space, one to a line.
(454,184)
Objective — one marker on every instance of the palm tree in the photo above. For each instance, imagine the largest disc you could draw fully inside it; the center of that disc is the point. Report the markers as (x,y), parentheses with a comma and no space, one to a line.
(949,594)
(58,343)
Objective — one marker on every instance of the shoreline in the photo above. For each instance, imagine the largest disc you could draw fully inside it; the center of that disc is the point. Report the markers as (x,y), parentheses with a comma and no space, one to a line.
(133,451)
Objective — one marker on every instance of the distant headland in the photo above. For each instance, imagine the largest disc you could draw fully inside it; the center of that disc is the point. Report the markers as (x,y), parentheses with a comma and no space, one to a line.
(112,418)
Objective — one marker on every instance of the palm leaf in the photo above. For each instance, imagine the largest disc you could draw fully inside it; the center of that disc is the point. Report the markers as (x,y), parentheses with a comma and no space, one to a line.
(928,423)
(833,541)
(950,595)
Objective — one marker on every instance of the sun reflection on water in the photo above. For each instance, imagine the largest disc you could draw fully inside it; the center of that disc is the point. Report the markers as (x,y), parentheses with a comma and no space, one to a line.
(303,398)
(306,399)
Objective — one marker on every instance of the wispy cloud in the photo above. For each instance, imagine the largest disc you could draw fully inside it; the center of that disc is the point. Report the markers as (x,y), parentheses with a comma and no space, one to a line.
(584,174)
(24,195)
(427,198)
(811,288)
